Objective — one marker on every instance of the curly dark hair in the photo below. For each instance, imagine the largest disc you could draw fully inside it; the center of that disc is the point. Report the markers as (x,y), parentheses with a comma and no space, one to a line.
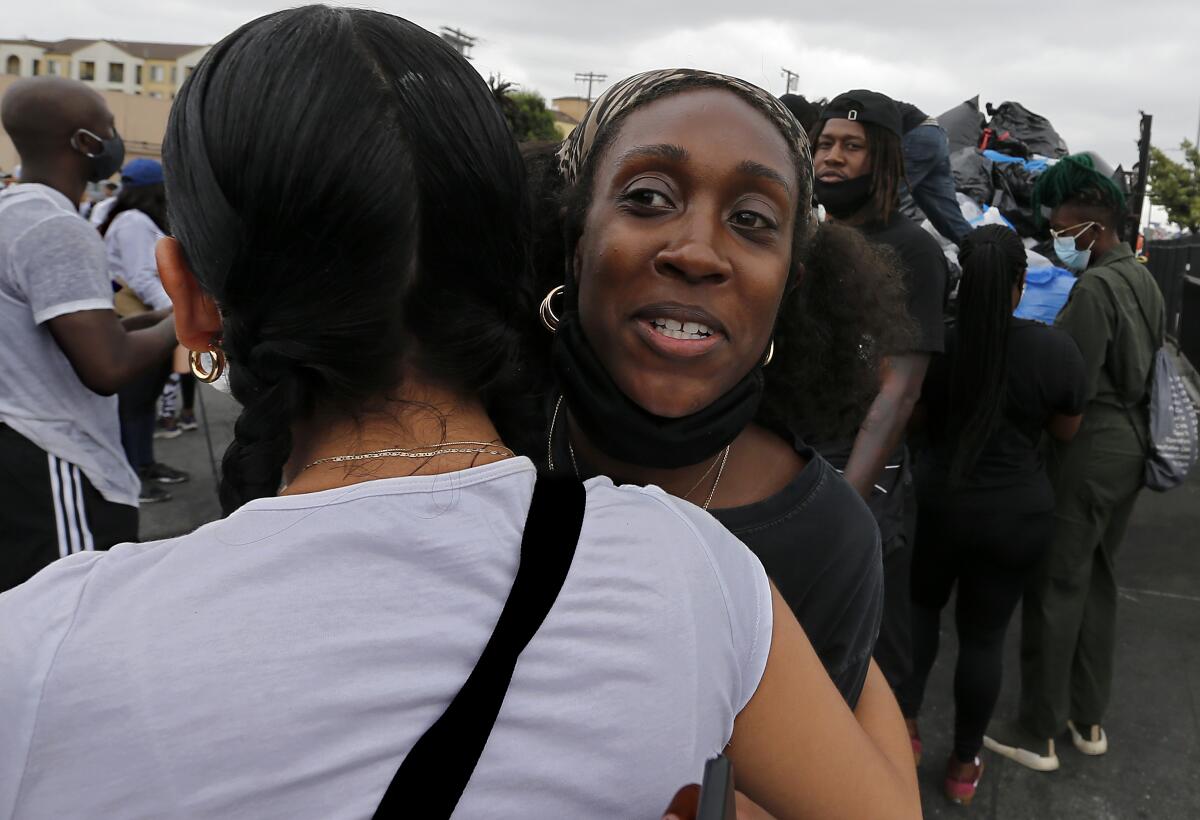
(832,334)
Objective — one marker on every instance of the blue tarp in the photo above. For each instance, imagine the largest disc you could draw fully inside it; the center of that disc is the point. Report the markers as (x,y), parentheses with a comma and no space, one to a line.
(1046,291)
(1033,166)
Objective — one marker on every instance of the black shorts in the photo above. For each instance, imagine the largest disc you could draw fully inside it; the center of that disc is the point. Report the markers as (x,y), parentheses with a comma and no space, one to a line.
(50,510)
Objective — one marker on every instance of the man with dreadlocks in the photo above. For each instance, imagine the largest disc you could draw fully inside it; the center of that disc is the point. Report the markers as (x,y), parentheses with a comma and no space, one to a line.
(1115,315)
(859,167)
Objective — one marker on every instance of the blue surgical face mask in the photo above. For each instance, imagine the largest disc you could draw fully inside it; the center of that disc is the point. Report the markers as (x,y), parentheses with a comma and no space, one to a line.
(1064,248)
(1075,259)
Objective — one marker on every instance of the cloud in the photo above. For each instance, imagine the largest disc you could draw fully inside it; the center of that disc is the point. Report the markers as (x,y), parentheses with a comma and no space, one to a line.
(1088,68)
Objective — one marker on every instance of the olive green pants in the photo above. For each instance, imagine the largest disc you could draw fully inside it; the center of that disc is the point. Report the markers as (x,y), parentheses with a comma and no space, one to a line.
(1069,616)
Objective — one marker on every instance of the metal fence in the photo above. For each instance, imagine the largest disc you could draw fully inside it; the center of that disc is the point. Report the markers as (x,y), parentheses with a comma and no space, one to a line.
(1175,264)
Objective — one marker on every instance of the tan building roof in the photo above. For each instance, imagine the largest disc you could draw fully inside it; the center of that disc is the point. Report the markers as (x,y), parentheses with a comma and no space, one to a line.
(147,51)
(68,46)
(156,51)
(561,117)
(35,43)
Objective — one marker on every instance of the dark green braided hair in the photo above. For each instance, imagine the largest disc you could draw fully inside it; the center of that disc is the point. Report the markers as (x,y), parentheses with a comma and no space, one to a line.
(1075,180)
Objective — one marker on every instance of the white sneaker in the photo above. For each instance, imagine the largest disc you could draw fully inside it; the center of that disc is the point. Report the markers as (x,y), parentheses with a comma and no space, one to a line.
(1096,742)
(1009,739)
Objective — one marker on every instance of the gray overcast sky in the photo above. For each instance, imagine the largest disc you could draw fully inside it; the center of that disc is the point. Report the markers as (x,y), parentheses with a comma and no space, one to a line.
(1089,67)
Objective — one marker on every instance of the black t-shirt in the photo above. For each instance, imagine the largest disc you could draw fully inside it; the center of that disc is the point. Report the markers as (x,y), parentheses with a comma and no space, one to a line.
(924,268)
(910,116)
(820,545)
(1045,378)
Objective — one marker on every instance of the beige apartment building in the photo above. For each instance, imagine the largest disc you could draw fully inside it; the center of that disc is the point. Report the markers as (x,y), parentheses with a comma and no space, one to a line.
(137,80)
(151,69)
(568,111)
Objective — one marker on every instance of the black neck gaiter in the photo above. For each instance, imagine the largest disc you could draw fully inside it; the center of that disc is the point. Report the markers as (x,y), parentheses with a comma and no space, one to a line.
(843,199)
(621,429)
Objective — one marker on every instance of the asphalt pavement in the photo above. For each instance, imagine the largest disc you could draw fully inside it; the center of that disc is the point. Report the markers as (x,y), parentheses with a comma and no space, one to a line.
(1152,769)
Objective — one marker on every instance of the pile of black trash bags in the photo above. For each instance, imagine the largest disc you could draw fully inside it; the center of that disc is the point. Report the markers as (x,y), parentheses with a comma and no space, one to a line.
(996,159)
(979,148)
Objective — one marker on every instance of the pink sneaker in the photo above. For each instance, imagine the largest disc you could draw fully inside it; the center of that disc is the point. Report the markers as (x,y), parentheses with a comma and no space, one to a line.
(962,779)
(914,735)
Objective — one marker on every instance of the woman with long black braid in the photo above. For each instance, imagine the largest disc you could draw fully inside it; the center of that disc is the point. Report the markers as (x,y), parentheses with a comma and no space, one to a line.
(986,507)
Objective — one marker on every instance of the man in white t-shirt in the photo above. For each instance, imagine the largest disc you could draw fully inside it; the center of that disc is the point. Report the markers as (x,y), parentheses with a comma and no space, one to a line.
(63,352)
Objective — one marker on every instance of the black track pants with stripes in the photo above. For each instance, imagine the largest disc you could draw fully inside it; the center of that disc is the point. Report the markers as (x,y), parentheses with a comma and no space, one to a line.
(48,510)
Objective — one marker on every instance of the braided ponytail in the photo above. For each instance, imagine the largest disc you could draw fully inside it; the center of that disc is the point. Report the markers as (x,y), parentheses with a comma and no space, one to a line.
(346,190)
(993,262)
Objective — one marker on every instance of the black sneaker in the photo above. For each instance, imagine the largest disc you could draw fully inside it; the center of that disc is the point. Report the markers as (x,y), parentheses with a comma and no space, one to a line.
(187,422)
(152,493)
(163,474)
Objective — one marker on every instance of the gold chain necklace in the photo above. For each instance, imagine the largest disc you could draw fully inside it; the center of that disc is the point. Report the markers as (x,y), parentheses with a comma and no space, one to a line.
(723,459)
(431,451)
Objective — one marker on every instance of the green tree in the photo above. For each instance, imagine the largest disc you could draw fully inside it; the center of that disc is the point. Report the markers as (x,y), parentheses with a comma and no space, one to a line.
(1175,186)
(526,112)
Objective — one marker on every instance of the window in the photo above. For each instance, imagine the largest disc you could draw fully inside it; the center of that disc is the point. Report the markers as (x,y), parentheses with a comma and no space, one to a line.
(37,68)
(174,75)
(12,65)
(156,74)
(87,70)
(52,68)
(116,72)
(137,75)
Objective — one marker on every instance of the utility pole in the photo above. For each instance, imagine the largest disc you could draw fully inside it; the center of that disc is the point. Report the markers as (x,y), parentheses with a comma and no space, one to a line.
(590,77)
(459,40)
(793,80)
(1134,216)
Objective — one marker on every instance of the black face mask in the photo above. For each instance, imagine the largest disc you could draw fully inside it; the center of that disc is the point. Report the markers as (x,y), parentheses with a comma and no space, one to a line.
(843,199)
(621,429)
(108,160)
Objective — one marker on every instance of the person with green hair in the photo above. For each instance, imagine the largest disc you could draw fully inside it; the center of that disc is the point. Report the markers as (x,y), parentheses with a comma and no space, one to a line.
(1115,315)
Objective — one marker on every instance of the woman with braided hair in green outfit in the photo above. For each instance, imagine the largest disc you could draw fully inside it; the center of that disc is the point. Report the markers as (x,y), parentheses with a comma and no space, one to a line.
(1115,315)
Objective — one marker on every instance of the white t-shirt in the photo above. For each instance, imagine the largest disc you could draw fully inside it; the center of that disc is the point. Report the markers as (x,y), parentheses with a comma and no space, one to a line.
(129,243)
(280,663)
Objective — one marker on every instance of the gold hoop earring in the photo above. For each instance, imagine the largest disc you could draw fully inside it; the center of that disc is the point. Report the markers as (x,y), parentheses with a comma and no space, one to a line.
(197,364)
(546,311)
(770,354)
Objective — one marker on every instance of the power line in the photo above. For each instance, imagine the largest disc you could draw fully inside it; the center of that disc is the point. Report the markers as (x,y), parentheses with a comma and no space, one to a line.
(590,77)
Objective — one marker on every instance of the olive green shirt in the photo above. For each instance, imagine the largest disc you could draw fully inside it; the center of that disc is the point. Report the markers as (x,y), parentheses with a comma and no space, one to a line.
(1117,343)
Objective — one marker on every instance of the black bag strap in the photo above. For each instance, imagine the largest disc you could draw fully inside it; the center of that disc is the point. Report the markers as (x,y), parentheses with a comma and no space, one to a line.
(433,775)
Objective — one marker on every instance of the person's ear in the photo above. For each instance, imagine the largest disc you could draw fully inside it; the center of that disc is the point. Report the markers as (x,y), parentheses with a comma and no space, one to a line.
(197,320)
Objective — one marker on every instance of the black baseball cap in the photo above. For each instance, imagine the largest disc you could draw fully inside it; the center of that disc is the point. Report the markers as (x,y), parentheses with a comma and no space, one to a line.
(861,105)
